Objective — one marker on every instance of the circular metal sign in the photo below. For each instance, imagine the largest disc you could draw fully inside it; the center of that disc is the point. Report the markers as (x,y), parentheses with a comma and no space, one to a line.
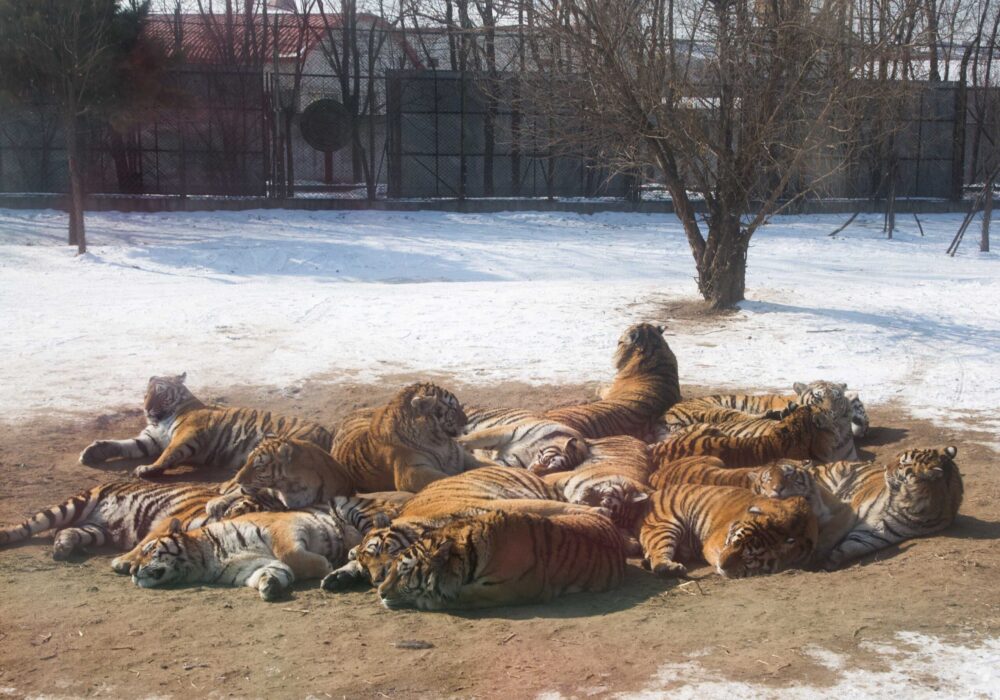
(326,125)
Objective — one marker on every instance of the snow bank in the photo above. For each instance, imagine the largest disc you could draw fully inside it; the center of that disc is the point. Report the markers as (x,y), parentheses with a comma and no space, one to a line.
(275,297)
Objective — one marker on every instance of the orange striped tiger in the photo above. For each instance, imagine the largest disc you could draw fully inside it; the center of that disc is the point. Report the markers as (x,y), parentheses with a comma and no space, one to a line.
(474,492)
(845,408)
(297,473)
(807,432)
(645,386)
(264,551)
(183,430)
(918,495)
(773,480)
(406,444)
(614,477)
(736,532)
(121,513)
(505,559)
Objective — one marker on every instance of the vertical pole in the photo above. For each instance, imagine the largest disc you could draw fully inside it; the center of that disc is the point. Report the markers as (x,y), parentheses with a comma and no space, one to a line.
(462,165)
(984,239)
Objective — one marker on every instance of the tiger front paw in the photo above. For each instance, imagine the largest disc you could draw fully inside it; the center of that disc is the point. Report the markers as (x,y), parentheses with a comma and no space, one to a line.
(342,579)
(270,588)
(97,452)
(123,564)
(666,568)
(144,471)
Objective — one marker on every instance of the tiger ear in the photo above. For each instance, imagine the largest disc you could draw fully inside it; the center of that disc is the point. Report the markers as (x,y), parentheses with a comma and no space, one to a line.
(799,387)
(423,405)
(755,510)
(181,377)
(842,386)
(175,526)
(443,552)
(639,497)
(633,335)
(951,451)
(661,330)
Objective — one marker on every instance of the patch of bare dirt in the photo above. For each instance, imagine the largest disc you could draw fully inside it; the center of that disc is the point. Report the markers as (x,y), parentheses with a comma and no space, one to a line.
(77,629)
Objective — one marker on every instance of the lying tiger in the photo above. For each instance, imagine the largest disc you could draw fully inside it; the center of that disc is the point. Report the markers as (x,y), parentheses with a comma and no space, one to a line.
(645,386)
(122,513)
(181,430)
(264,551)
(807,432)
(845,407)
(917,495)
(500,558)
(406,444)
(738,533)
(475,492)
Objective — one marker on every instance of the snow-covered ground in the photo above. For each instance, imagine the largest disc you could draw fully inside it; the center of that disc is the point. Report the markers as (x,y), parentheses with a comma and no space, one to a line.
(276,297)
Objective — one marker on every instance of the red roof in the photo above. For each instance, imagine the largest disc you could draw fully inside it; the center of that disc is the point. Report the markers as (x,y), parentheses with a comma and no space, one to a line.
(221,39)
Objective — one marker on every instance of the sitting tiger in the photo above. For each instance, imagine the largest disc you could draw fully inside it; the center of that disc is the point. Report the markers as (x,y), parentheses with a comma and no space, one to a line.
(264,551)
(645,386)
(478,491)
(918,495)
(406,444)
(122,513)
(183,430)
(736,532)
(806,433)
(297,473)
(505,559)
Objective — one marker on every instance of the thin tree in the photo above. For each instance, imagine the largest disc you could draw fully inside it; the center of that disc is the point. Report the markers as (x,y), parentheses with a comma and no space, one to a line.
(74,53)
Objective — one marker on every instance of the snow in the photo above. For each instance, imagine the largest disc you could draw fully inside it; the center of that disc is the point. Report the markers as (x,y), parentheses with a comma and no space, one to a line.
(277,297)
(917,667)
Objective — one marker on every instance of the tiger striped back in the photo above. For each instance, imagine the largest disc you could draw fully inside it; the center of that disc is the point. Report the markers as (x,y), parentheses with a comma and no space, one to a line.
(779,480)
(807,433)
(505,559)
(736,532)
(469,489)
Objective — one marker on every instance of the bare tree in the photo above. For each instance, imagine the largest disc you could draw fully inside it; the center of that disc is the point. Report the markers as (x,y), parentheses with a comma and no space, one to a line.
(730,101)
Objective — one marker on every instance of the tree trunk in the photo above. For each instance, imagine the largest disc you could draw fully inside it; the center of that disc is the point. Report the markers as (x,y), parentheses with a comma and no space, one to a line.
(984,239)
(77,233)
(723,265)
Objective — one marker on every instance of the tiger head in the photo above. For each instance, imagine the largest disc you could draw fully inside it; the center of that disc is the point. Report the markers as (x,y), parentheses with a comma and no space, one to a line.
(625,497)
(859,416)
(380,546)
(784,479)
(834,399)
(420,413)
(276,465)
(163,560)
(164,395)
(426,575)
(817,428)
(567,453)
(642,348)
(927,482)
(773,535)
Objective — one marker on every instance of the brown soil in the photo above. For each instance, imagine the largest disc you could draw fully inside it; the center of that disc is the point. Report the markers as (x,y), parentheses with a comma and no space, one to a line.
(77,629)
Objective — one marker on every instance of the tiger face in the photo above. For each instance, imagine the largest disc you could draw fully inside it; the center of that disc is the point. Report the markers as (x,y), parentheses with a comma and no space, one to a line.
(425,576)
(441,413)
(162,561)
(377,550)
(922,477)
(834,399)
(620,495)
(418,414)
(640,344)
(164,395)
(783,480)
(559,457)
(773,535)
(266,470)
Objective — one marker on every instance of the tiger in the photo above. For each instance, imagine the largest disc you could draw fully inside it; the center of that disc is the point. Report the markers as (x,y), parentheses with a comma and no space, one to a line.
(474,492)
(501,558)
(737,532)
(297,473)
(807,433)
(122,513)
(614,477)
(182,430)
(264,551)
(859,416)
(518,443)
(845,407)
(645,385)
(918,495)
(406,444)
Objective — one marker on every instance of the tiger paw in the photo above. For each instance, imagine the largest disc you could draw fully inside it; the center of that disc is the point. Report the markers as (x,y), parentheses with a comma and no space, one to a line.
(144,471)
(339,580)
(218,507)
(61,551)
(122,565)
(669,569)
(96,453)
(270,588)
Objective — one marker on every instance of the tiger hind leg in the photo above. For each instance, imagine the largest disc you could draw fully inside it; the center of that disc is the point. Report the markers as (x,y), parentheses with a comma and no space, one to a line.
(71,539)
(659,545)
